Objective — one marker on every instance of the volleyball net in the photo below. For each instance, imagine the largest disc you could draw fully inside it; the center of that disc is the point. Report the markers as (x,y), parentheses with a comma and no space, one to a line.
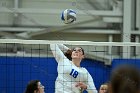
(25,60)
(102,51)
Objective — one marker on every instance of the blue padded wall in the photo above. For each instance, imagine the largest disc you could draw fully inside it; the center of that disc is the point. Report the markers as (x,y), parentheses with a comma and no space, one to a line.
(99,72)
(16,72)
(117,62)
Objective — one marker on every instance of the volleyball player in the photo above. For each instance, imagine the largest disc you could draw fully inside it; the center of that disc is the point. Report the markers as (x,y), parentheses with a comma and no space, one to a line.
(72,78)
(34,86)
(103,88)
(125,79)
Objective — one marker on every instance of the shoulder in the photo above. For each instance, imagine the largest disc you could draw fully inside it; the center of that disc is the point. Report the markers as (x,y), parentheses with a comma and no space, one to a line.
(84,69)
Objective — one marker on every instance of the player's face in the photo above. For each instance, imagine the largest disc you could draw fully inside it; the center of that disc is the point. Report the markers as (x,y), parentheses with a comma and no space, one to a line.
(77,53)
(103,89)
(40,88)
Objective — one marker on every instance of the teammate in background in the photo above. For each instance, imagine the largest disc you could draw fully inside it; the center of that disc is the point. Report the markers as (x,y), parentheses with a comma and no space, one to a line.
(34,86)
(125,79)
(72,78)
(103,88)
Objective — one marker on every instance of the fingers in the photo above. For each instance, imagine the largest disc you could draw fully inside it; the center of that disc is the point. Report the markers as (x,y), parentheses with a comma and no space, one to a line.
(81,85)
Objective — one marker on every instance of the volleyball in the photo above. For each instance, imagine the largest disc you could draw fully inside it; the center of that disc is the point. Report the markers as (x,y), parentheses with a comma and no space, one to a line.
(68,16)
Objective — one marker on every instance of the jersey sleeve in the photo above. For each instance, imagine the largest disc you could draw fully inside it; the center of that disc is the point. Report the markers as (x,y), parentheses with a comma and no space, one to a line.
(90,85)
(57,52)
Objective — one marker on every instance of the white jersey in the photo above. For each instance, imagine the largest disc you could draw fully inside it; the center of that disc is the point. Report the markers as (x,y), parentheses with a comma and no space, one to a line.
(69,74)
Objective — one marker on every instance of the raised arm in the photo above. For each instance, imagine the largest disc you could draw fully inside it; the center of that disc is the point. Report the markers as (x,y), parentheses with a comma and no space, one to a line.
(57,50)
(63,47)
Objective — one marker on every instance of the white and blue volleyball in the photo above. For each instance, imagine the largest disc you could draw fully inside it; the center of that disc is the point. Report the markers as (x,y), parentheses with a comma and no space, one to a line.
(68,16)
